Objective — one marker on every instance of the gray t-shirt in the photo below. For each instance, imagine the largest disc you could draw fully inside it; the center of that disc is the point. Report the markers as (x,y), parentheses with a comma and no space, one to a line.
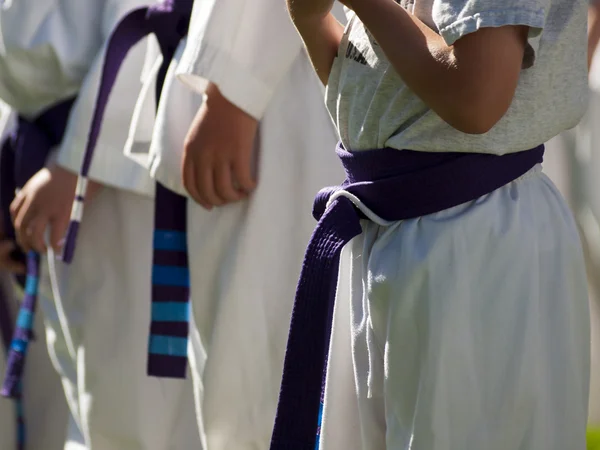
(373,108)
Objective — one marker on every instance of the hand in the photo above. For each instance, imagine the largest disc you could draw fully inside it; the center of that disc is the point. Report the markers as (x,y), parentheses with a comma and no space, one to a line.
(44,201)
(217,158)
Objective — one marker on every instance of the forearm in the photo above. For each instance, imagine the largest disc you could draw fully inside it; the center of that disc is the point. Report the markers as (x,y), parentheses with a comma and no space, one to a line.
(321,34)
(593,30)
(463,85)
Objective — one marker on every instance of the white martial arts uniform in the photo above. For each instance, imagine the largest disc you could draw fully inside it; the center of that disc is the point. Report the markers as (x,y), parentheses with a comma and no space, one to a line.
(245,257)
(45,408)
(105,292)
(465,329)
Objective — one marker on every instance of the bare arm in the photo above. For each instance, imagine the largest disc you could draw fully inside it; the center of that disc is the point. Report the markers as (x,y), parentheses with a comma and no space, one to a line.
(593,30)
(320,31)
(470,84)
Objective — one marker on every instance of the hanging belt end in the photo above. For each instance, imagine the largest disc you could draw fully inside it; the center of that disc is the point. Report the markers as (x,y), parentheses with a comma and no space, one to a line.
(76,216)
(11,387)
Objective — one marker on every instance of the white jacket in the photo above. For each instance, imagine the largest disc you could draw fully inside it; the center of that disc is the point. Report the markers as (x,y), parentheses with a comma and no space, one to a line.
(53,50)
(223,46)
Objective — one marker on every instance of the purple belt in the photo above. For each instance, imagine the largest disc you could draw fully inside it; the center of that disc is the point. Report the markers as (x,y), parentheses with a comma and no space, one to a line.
(23,155)
(6,332)
(395,185)
(169,326)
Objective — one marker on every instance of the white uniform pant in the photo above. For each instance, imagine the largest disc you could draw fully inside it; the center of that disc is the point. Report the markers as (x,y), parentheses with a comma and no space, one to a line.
(105,294)
(467,329)
(245,260)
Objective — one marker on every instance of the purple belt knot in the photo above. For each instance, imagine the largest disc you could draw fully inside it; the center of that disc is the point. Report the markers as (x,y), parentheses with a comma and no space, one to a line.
(169,20)
(395,185)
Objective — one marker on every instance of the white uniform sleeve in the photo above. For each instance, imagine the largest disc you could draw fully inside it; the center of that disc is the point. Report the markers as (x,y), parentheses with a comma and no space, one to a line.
(244,46)
(110,166)
(46,49)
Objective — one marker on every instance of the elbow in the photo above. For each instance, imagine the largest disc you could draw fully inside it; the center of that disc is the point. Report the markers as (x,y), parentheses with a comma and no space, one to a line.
(477,117)
(472,124)
(477,102)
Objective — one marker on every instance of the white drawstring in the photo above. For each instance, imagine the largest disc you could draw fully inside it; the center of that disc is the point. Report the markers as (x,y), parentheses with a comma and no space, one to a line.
(62,317)
(360,206)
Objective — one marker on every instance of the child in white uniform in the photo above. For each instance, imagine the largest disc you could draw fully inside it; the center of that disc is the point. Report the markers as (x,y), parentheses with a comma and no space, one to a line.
(264,112)
(45,410)
(469,325)
(99,343)
(26,29)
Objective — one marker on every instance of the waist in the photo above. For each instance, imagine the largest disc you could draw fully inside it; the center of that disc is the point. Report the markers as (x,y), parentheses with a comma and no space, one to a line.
(394,185)
(404,184)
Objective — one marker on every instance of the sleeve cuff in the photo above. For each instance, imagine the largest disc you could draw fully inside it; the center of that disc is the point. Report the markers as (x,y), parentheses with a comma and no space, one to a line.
(466,25)
(126,174)
(236,83)
(533,19)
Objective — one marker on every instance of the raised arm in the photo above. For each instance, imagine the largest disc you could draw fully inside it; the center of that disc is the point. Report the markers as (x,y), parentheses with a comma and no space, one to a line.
(320,31)
(469,83)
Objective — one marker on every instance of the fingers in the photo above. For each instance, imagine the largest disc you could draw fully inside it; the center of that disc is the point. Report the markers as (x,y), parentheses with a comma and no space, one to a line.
(16,205)
(213,185)
(205,182)
(58,230)
(18,214)
(6,262)
(242,173)
(30,227)
(31,235)
(189,180)
(216,185)
(210,185)
(216,166)
(224,185)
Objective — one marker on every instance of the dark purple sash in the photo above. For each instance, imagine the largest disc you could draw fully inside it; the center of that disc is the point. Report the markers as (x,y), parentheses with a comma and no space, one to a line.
(395,185)
(6,332)
(170,300)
